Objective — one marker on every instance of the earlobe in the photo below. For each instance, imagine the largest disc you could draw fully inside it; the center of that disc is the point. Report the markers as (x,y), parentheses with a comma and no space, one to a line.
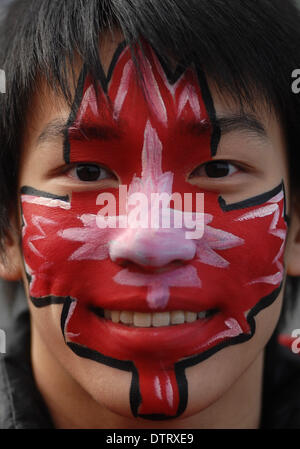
(293,257)
(10,260)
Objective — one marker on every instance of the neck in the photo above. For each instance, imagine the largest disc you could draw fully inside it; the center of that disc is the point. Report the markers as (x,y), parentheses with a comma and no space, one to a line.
(72,407)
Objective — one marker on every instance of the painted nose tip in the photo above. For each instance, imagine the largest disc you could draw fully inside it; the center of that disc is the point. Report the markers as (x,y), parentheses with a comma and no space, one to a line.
(151,249)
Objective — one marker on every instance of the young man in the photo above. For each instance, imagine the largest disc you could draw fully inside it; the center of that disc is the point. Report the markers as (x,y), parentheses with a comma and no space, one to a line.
(149,309)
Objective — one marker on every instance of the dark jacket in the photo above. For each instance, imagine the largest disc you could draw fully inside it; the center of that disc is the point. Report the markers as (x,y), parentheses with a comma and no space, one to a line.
(22,407)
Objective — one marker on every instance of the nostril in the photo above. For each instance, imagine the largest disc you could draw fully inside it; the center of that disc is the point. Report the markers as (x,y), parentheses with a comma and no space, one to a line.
(134,267)
(177,262)
(170,266)
(123,262)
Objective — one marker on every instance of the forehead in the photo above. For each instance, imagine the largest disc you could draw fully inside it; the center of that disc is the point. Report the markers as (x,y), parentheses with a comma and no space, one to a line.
(138,93)
(47,106)
(119,74)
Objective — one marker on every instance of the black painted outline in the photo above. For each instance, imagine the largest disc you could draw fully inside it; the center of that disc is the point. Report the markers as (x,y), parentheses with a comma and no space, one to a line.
(257,200)
(250,202)
(46,300)
(104,81)
(209,104)
(26,190)
(73,113)
(121,47)
(172,77)
(179,368)
(286,216)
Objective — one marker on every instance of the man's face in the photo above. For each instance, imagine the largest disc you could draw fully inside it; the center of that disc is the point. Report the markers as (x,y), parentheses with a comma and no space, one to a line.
(159,313)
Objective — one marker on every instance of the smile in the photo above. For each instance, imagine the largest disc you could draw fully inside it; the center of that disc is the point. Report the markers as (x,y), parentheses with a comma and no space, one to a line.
(156,319)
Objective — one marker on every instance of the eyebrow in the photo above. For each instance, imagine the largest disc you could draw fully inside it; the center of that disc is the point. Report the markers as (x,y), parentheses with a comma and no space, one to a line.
(241,122)
(229,123)
(90,131)
(86,131)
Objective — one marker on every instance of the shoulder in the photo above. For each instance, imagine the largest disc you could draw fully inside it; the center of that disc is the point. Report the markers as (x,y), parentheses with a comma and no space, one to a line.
(21,405)
(281,390)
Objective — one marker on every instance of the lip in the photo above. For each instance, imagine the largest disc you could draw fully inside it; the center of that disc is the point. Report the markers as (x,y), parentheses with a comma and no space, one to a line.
(99,311)
(167,343)
(150,353)
(140,304)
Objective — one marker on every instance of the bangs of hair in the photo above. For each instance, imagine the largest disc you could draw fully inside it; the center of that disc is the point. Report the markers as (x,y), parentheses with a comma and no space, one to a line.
(244,47)
(248,49)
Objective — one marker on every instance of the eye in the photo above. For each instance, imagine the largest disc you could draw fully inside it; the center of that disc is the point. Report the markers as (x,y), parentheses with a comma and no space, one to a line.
(90,172)
(215,169)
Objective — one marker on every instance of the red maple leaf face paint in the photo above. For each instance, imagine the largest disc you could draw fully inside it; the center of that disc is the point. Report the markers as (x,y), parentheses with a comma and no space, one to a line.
(73,255)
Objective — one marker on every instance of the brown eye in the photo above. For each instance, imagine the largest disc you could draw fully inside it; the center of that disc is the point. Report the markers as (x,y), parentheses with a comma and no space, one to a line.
(90,172)
(215,169)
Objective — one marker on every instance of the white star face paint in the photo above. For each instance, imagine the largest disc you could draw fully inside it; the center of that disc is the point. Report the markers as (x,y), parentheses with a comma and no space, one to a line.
(97,268)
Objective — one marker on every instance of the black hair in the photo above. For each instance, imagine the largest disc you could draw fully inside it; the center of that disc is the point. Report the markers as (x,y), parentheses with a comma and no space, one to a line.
(248,48)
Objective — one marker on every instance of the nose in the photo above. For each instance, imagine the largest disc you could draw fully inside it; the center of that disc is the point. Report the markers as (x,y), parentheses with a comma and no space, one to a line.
(151,248)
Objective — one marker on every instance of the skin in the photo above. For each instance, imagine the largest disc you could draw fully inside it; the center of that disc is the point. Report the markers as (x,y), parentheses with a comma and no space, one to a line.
(99,393)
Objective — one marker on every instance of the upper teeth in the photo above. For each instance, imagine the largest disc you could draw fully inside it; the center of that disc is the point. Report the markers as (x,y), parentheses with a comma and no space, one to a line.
(158,319)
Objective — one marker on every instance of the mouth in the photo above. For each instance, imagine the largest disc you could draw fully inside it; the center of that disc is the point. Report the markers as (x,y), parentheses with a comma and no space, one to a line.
(141,335)
(153,319)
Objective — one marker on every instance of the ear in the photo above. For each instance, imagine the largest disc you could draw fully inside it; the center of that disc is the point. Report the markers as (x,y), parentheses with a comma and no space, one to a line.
(10,258)
(293,253)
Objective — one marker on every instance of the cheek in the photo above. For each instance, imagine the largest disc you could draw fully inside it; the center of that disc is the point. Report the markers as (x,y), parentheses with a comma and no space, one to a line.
(243,250)
(235,270)
(229,369)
